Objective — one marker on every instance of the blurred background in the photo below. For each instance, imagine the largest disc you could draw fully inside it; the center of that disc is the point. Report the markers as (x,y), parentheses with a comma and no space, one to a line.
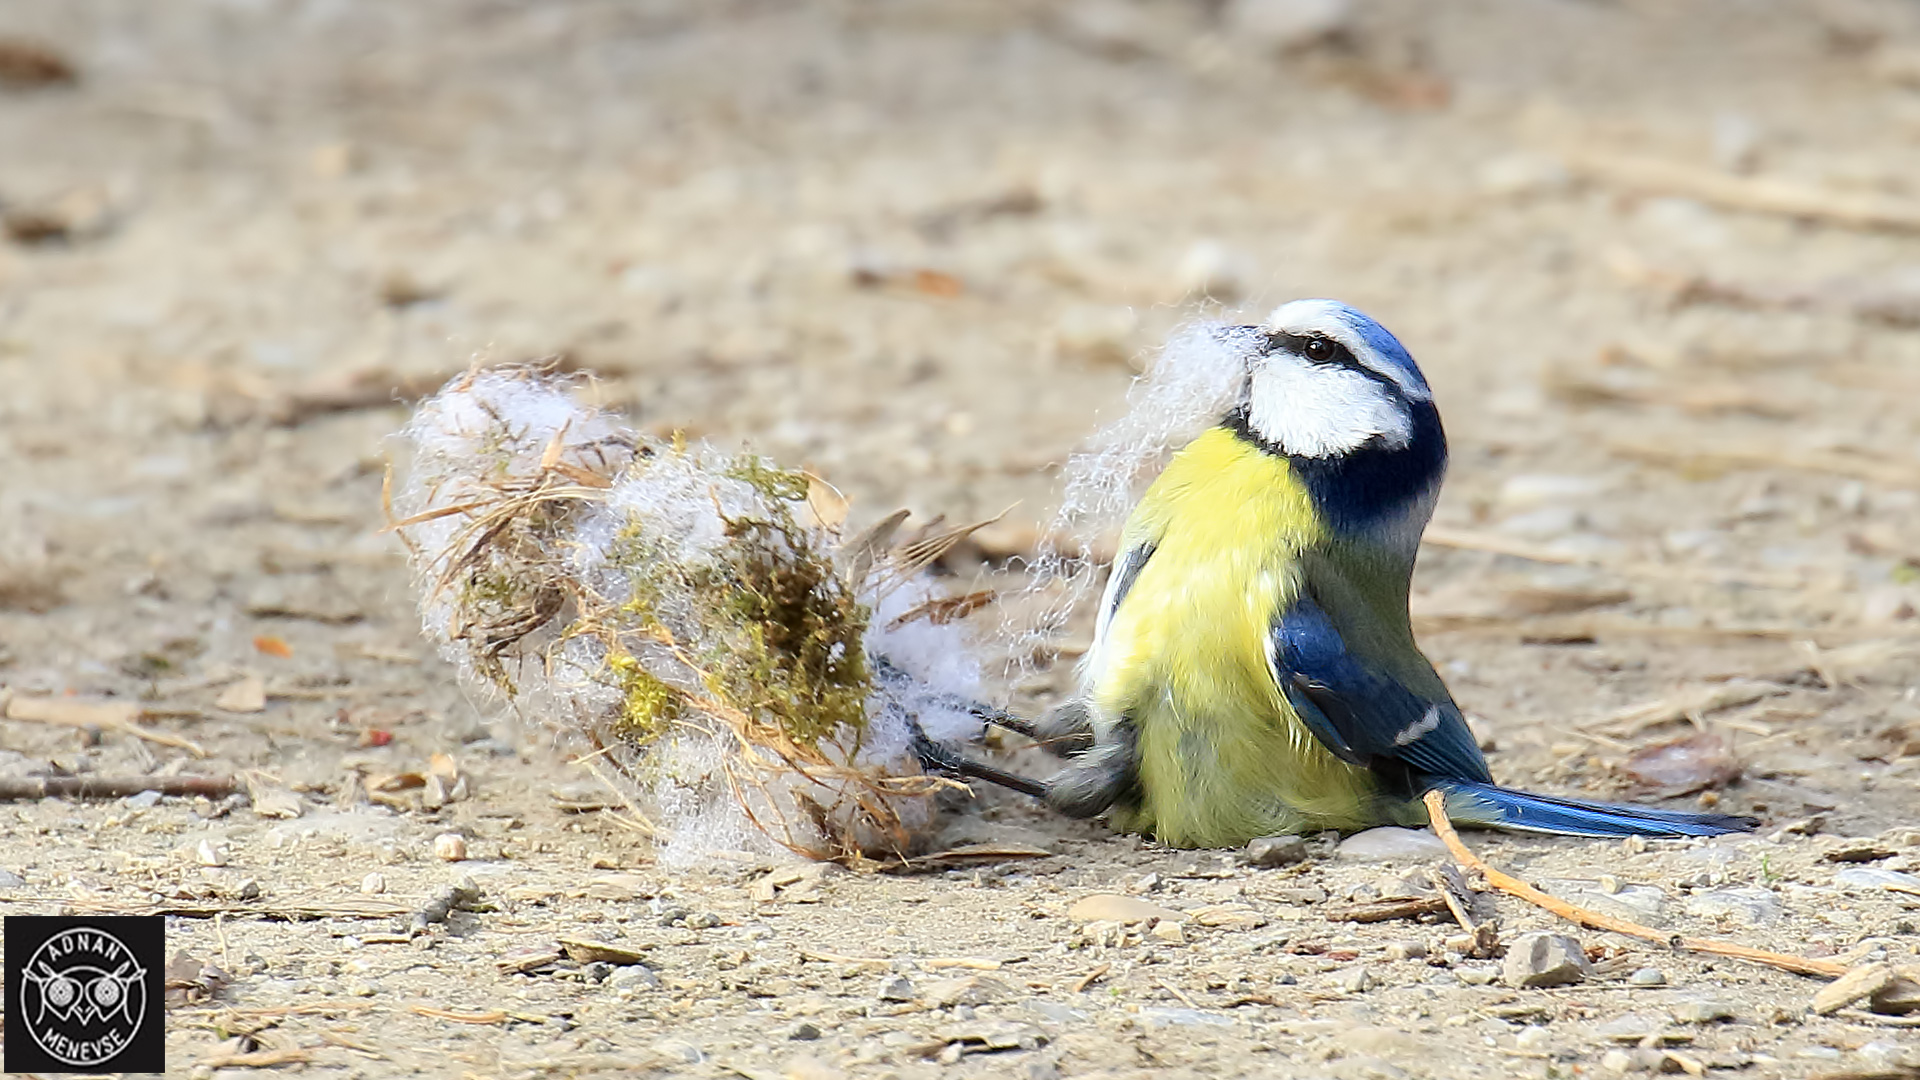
(1658,260)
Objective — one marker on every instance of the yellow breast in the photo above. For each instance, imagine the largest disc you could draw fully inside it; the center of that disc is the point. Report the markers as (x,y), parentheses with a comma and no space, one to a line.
(1223,757)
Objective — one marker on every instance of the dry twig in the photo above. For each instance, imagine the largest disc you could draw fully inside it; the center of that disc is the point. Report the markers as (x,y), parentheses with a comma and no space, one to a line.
(1891,304)
(939,962)
(1687,705)
(1080,985)
(259,1059)
(286,911)
(1436,801)
(121,716)
(1493,543)
(493,1016)
(1721,455)
(1406,907)
(1755,194)
(112,787)
(1459,899)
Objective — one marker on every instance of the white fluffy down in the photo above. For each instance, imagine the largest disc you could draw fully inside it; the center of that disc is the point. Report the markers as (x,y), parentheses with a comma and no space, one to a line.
(1194,381)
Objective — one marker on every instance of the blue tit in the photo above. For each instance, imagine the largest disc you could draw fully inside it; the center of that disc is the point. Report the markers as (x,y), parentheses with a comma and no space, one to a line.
(1254,669)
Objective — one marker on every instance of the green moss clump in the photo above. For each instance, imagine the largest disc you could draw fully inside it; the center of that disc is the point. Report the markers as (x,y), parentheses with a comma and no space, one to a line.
(648,706)
(794,648)
(775,630)
(777,484)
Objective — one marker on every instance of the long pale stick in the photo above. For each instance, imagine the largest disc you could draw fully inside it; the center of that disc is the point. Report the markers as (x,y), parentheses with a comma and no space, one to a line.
(1801,965)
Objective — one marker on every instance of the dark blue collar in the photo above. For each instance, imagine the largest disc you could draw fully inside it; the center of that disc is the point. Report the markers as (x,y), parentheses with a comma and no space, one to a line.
(1373,484)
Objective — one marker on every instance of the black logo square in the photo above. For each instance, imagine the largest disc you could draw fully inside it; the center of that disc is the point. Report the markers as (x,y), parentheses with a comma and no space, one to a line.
(85,994)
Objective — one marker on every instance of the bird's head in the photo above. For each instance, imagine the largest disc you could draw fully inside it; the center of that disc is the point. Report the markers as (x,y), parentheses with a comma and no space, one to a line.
(1324,381)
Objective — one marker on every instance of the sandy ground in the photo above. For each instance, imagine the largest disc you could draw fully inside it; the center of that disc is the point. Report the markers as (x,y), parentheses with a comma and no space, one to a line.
(921,247)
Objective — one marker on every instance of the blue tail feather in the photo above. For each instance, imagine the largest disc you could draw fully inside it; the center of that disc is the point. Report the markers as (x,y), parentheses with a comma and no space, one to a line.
(1474,803)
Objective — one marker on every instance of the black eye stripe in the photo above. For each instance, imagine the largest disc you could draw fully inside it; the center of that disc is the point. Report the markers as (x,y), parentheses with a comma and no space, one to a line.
(1342,356)
(1298,345)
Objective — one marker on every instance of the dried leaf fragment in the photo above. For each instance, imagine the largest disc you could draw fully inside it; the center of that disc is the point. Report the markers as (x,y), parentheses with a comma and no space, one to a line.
(248,695)
(1699,762)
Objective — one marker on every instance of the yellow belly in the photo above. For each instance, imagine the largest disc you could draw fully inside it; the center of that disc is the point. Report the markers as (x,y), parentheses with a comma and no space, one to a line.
(1222,756)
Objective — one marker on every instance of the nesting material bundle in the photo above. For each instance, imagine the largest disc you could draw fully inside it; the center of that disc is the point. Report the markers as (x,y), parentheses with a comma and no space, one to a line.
(691,620)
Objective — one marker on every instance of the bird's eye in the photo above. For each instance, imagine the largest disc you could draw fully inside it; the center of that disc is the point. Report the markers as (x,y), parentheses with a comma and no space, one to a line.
(1318,350)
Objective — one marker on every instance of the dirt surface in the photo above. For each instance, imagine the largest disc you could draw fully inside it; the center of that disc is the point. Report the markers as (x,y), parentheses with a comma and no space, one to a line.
(920,247)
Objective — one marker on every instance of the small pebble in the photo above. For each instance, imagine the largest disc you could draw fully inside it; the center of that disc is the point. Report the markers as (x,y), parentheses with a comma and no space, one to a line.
(1357,981)
(702,920)
(1542,959)
(897,989)
(1391,844)
(1268,852)
(1110,907)
(1286,25)
(1702,1011)
(1170,932)
(967,992)
(679,1050)
(450,847)
(373,884)
(1745,905)
(633,977)
(1405,950)
(210,853)
(803,1032)
(1476,976)
(1628,1029)
(1901,995)
(1874,877)
(1618,1061)
(1534,1038)
(1647,977)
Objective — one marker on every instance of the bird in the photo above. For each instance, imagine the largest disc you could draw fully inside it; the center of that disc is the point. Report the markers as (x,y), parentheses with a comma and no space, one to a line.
(1254,670)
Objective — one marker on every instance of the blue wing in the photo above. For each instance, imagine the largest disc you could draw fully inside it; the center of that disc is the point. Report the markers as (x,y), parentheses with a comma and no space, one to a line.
(1362,715)
(1414,743)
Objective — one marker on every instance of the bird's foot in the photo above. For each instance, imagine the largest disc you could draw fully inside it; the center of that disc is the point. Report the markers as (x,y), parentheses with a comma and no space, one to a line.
(1095,777)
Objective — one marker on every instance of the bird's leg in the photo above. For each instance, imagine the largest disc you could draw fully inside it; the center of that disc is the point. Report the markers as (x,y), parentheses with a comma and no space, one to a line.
(1098,773)
(937,758)
(1097,777)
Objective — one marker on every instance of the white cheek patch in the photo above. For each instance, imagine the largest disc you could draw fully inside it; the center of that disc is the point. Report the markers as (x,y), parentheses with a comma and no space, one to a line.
(1320,410)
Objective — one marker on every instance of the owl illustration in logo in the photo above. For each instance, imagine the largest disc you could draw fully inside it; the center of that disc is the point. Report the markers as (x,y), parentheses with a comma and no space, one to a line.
(85,995)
